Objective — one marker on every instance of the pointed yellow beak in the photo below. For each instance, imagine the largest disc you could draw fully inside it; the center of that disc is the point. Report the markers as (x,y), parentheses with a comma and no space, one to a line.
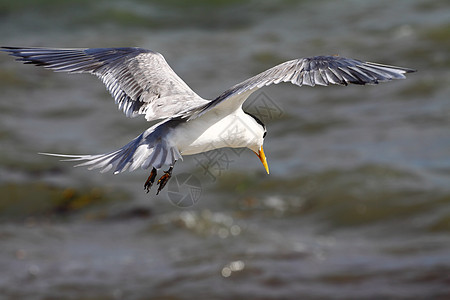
(262,157)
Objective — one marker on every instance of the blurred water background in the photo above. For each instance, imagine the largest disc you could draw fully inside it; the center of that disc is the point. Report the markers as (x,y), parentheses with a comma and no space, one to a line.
(357,205)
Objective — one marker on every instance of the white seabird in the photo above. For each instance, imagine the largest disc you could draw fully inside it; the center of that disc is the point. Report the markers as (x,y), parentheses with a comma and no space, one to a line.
(142,83)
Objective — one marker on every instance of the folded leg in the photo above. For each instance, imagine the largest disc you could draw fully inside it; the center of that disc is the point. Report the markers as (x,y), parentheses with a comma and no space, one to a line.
(165,178)
(150,180)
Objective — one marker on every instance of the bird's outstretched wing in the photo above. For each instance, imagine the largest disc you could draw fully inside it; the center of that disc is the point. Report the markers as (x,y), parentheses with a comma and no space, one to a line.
(318,70)
(140,80)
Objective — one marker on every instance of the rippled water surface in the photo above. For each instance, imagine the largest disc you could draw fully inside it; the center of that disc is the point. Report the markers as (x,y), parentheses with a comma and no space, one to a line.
(357,205)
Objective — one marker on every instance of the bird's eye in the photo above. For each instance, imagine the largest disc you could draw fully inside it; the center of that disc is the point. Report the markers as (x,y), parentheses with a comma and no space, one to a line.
(264,135)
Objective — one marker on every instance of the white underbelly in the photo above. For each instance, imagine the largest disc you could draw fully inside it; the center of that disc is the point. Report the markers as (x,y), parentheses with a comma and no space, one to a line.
(210,132)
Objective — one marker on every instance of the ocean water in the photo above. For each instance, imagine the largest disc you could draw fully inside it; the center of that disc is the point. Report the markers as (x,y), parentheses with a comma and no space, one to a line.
(357,205)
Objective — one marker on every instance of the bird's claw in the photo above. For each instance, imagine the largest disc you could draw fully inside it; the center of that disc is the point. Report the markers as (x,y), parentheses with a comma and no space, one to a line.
(163,180)
(150,180)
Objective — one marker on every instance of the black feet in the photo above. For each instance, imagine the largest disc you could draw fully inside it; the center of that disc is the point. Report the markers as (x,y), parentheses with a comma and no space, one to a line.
(161,182)
(150,180)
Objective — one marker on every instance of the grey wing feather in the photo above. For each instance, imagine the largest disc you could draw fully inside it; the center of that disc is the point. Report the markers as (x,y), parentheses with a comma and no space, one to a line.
(140,80)
(149,149)
(311,71)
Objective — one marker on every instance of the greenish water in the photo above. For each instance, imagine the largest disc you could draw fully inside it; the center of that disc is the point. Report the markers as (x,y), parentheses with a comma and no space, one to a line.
(357,205)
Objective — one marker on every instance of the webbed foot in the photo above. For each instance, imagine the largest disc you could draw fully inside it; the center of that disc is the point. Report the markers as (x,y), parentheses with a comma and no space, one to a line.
(150,180)
(164,179)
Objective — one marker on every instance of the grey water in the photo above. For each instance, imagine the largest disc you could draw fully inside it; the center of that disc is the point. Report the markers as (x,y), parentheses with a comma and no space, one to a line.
(357,204)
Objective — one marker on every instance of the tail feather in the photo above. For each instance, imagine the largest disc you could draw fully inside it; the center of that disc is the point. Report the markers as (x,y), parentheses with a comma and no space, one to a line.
(149,149)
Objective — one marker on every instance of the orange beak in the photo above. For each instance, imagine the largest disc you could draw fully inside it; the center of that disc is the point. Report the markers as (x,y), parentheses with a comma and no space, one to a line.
(262,157)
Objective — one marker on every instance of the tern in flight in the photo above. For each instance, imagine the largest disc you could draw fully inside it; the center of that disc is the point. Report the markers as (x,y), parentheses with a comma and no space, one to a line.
(142,83)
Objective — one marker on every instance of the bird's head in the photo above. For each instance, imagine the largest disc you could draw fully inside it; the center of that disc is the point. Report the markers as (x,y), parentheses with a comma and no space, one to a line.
(257,143)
